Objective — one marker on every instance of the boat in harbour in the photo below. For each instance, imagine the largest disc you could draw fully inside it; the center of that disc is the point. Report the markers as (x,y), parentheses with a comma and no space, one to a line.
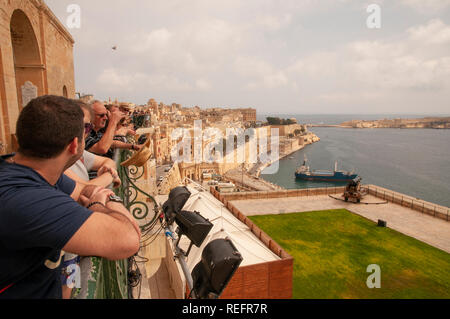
(305,173)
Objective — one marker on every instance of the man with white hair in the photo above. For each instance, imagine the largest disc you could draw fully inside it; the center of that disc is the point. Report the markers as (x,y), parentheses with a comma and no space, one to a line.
(101,139)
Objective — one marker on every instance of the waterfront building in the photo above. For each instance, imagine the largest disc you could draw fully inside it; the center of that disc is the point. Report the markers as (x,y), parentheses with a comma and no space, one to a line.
(249,114)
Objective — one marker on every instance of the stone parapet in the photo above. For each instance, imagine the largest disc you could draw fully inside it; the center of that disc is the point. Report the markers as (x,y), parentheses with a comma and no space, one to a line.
(416,204)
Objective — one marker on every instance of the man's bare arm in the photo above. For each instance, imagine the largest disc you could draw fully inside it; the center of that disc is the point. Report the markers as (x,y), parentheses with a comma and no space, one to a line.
(111,236)
(103,180)
(108,233)
(126,146)
(107,140)
(100,161)
(79,187)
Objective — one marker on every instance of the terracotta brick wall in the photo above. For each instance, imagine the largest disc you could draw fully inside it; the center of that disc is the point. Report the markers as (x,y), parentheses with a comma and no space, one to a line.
(270,280)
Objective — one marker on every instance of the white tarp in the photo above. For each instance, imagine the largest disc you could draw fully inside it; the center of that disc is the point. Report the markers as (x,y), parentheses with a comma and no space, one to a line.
(253,251)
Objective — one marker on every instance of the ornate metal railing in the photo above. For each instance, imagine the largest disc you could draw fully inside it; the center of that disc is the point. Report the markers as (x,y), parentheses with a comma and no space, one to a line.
(141,205)
(106,279)
(144,207)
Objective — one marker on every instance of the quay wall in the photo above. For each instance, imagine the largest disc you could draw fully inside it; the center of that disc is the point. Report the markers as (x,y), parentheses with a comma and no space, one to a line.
(171,180)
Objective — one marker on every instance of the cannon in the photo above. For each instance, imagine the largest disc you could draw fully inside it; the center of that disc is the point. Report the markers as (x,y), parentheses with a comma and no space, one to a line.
(353,190)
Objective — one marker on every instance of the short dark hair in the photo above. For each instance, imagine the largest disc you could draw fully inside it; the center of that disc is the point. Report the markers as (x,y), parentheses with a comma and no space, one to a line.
(47,125)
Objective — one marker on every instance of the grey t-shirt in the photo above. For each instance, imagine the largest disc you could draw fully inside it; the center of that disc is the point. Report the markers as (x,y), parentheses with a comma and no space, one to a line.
(81,169)
(83,165)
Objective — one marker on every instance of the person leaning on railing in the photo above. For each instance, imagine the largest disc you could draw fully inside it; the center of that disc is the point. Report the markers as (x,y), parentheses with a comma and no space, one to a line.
(105,167)
(106,176)
(101,140)
(44,212)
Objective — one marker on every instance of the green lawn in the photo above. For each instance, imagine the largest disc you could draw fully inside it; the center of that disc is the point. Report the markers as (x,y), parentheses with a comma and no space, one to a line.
(332,249)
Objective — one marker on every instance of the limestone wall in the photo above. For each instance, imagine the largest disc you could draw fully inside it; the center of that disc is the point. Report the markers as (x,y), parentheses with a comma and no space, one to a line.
(34,47)
(59,59)
(285,130)
(171,180)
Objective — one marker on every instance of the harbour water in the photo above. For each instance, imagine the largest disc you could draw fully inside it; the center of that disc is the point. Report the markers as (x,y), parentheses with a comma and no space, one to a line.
(415,162)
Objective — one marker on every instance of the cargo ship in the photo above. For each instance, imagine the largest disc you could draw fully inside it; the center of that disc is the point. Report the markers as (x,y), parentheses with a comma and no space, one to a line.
(305,173)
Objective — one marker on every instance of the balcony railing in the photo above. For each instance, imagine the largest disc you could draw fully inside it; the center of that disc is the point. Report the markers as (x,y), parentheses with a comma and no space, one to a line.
(106,279)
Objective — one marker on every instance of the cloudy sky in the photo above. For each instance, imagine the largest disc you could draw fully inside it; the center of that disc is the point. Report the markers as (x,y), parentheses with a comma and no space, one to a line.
(279,56)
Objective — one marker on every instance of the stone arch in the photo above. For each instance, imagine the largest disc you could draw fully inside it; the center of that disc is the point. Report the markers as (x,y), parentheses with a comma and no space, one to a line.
(64,91)
(29,70)
(5,138)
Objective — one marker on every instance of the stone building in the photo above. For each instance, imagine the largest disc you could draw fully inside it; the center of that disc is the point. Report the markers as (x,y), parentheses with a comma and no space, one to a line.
(290,130)
(249,114)
(36,58)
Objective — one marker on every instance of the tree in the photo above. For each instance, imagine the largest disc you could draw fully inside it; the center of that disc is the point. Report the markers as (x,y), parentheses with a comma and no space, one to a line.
(289,122)
(274,121)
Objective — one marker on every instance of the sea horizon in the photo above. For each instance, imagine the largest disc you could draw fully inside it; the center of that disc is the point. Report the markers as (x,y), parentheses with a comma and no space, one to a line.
(335,119)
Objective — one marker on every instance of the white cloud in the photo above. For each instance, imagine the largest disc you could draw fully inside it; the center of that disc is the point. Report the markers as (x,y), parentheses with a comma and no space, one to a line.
(264,51)
(435,32)
(407,64)
(317,65)
(259,73)
(427,6)
(155,41)
(196,48)
(202,85)
(345,97)
(273,22)
(385,65)
(114,80)
(249,66)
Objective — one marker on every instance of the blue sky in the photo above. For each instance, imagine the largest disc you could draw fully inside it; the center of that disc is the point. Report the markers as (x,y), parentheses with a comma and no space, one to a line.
(288,56)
